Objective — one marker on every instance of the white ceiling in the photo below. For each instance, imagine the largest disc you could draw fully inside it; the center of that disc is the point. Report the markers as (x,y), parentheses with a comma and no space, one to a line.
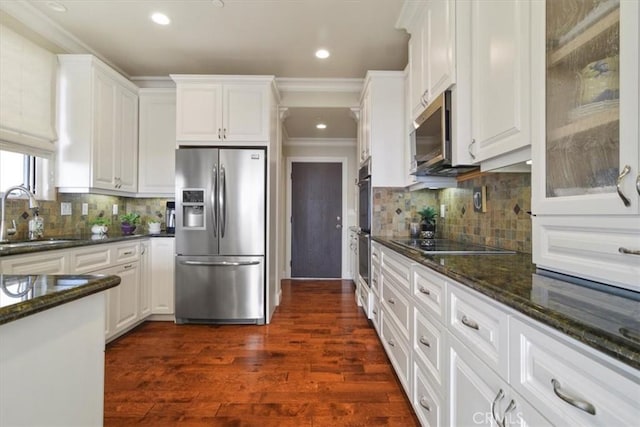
(270,37)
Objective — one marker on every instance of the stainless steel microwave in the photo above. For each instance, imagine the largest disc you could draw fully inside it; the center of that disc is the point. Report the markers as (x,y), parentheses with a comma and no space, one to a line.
(431,141)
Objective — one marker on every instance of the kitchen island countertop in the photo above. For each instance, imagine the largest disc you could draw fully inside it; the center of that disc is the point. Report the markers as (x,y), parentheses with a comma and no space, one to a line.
(24,295)
(512,280)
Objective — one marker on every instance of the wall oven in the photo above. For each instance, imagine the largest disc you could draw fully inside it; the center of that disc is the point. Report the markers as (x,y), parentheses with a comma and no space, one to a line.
(364,222)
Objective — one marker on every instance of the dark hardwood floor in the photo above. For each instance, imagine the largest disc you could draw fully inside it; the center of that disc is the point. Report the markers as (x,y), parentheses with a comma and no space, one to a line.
(319,363)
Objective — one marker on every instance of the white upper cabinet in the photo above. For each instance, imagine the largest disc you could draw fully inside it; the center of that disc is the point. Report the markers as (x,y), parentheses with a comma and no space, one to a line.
(382,130)
(586,159)
(500,37)
(219,109)
(98,125)
(431,24)
(27,93)
(157,142)
(589,135)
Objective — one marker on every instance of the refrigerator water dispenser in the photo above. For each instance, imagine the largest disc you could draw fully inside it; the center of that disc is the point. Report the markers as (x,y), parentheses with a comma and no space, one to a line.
(193,209)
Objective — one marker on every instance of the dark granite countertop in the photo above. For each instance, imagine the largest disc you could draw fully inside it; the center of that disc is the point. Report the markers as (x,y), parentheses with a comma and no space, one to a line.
(75,241)
(24,295)
(575,310)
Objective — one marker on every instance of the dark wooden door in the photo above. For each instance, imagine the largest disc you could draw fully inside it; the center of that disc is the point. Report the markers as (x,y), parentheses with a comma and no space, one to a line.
(316,214)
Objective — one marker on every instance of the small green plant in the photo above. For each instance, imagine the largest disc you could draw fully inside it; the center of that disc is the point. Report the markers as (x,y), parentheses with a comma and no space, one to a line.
(151,219)
(428,215)
(100,220)
(131,218)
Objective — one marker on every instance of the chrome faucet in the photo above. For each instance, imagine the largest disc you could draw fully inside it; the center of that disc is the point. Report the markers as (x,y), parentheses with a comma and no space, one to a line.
(33,203)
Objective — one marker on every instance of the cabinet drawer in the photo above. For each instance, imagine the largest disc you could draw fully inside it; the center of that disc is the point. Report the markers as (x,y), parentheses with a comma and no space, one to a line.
(397,305)
(396,266)
(126,253)
(50,263)
(482,326)
(375,255)
(566,245)
(90,258)
(429,290)
(425,400)
(375,314)
(375,278)
(429,347)
(397,350)
(569,386)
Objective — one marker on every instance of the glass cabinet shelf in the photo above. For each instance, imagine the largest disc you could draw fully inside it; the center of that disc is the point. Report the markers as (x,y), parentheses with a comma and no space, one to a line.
(582,97)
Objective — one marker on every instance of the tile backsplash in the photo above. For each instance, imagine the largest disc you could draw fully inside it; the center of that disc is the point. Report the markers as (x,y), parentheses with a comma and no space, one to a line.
(505,224)
(76,224)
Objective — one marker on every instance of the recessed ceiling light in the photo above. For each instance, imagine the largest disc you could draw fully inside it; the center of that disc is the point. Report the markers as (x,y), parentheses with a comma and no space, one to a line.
(321,126)
(217,3)
(322,53)
(55,6)
(160,18)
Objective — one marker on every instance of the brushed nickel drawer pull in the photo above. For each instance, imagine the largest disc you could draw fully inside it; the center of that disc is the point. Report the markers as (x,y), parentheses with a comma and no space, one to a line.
(498,398)
(391,301)
(391,343)
(424,403)
(625,172)
(628,251)
(511,407)
(573,401)
(469,323)
(128,253)
(425,290)
(375,312)
(128,266)
(423,340)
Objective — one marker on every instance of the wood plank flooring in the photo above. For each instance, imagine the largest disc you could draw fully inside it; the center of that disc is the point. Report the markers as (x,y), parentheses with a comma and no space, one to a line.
(319,363)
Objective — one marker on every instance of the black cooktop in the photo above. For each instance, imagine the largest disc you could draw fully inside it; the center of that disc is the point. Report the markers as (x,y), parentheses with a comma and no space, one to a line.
(449,247)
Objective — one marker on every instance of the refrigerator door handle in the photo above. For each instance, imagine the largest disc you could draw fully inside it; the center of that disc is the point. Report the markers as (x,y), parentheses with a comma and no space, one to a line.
(223,201)
(220,263)
(214,211)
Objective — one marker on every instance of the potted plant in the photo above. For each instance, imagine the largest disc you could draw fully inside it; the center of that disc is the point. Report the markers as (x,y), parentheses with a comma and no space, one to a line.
(129,221)
(428,223)
(100,225)
(153,223)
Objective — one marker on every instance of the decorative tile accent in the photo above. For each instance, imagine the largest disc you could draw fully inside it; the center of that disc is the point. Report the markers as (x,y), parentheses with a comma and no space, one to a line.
(505,224)
(398,211)
(77,225)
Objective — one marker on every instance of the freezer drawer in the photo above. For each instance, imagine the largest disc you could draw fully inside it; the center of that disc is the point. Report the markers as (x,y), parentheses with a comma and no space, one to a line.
(220,289)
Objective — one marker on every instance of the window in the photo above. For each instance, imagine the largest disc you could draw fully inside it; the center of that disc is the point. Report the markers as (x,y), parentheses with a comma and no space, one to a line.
(27,170)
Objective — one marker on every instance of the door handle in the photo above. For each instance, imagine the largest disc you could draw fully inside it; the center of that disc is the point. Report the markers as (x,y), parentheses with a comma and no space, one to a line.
(223,200)
(338,226)
(220,263)
(214,191)
(625,172)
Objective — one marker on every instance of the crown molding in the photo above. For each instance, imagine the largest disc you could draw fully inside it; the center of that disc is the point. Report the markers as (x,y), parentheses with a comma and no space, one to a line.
(41,24)
(288,84)
(321,142)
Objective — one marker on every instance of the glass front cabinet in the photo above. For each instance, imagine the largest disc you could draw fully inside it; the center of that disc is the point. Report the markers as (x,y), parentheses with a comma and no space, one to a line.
(586,157)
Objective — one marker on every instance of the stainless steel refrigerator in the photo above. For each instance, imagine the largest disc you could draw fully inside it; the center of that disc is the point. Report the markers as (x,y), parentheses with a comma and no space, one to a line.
(220,235)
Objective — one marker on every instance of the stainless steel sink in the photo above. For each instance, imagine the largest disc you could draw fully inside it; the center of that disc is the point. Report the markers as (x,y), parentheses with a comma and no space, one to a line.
(32,243)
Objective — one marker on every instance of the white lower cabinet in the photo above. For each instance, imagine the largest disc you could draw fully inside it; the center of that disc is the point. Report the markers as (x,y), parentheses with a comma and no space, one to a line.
(571,387)
(162,276)
(397,349)
(479,396)
(55,262)
(467,360)
(144,301)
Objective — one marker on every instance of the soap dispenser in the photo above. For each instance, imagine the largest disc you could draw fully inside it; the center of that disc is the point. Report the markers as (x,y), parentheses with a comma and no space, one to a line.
(36,227)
